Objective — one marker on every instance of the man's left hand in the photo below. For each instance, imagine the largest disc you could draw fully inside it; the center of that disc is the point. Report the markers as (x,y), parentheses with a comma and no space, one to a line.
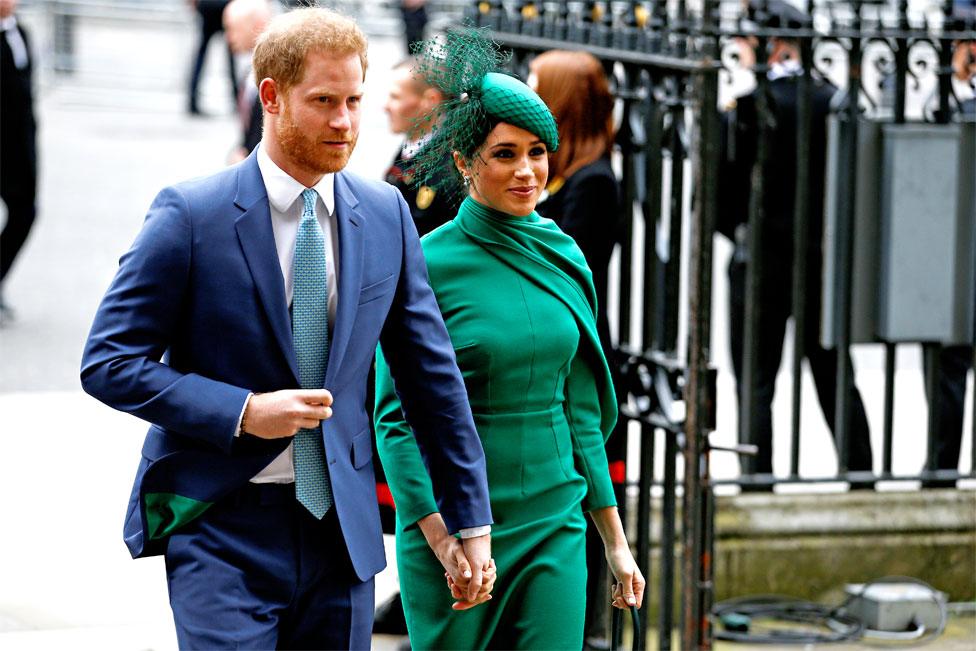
(478,552)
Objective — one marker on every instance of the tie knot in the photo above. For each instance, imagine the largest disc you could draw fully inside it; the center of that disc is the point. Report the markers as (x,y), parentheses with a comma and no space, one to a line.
(308,196)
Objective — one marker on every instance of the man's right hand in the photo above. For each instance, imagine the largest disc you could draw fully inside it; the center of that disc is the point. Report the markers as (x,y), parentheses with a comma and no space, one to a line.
(281,414)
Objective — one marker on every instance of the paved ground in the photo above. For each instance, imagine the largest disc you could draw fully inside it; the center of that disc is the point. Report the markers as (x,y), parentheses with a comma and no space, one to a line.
(111,136)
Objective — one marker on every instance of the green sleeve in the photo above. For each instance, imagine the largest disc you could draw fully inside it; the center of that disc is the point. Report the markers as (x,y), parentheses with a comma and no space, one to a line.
(406,472)
(584,416)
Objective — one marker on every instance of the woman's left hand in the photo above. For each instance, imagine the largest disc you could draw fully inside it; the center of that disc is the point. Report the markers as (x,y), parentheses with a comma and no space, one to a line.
(629,589)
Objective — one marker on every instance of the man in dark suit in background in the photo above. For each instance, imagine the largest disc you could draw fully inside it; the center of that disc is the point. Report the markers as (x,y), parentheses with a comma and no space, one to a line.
(741,134)
(414,13)
(244,20)
(955,361)
(18,150)
(211,24)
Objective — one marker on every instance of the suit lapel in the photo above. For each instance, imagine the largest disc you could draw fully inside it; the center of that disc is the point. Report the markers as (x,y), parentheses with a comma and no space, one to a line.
(258,244)
(349,223)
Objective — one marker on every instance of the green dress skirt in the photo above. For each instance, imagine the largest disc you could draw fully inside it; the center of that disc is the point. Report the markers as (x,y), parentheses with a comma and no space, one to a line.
(520,319)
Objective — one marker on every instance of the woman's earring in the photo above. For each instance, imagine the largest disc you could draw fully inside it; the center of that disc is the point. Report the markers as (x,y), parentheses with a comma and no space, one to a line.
(467,180)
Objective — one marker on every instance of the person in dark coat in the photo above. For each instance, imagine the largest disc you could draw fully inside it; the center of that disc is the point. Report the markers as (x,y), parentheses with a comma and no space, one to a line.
(18,129)
(956,361)
(414,14)
(211,23)
(741,132)
(244,20)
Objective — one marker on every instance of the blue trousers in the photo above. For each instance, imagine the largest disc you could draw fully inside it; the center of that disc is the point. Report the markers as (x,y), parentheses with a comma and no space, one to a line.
(257,571)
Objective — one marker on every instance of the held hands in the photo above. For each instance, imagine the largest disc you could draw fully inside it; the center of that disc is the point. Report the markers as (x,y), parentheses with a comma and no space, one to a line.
(462,602)
(281,414)
(469,569)
(629,589)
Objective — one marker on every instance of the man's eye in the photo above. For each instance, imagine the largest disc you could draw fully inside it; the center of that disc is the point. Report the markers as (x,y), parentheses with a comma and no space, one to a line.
(323,100)
(355,100)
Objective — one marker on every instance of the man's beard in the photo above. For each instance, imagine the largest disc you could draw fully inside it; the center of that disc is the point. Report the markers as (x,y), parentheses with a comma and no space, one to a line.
(307,151)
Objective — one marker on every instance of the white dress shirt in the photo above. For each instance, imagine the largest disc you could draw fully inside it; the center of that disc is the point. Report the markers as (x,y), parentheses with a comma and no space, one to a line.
(18,48)
(285,201)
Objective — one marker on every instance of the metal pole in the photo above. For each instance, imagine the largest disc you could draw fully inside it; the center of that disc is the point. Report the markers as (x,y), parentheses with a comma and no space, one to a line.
(644,509)
(945,66)
(933,377)
(628,182)
(672,269)
(889,407)
(800,238)
(668,524)
(696,561)
(754,266)
(845,220)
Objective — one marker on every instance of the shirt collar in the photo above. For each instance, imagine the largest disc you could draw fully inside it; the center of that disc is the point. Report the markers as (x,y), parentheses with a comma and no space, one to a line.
(782,69)
(10,22)
(411,147)
(283,190)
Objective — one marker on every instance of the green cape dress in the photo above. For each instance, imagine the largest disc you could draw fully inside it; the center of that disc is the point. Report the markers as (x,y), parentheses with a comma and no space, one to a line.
(519,304)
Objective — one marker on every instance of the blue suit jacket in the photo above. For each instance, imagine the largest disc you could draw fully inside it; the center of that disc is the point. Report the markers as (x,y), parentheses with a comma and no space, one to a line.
(196,318)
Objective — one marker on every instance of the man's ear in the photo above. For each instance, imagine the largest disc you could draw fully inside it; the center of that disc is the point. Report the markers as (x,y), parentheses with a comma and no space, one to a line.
(430,98)
(270,97)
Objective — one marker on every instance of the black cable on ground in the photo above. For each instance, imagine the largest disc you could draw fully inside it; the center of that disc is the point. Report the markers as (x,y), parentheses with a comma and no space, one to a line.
(736,616)
(734,620)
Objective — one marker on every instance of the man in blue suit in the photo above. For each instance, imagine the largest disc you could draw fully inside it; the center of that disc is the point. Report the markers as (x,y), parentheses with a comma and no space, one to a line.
(241,325)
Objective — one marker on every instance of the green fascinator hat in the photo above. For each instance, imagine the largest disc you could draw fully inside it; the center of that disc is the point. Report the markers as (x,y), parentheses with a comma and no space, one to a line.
(464,65)
(509,100)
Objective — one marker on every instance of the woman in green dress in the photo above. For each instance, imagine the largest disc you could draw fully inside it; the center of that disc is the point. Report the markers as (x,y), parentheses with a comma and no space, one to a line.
(519,304)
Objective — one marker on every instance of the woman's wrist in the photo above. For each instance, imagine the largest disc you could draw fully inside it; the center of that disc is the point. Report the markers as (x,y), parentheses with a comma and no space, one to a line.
(611,529)
(617,547)
(434,529)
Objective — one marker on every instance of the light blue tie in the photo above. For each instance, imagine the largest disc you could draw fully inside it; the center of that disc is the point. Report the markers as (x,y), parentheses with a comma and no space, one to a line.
(310,331)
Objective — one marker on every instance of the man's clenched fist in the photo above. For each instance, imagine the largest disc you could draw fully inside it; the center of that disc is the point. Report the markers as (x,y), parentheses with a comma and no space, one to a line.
(282,413)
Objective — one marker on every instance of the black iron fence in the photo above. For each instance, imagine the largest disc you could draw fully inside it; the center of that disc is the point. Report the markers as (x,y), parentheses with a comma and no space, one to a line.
(836,232)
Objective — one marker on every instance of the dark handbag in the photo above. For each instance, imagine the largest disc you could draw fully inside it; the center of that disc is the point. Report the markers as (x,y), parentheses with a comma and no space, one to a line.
(617,627)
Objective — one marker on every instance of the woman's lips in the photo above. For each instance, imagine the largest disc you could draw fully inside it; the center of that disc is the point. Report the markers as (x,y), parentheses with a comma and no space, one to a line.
(523,192)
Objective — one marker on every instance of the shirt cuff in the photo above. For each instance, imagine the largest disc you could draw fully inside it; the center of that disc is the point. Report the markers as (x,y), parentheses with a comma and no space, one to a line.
(240,419)
(474,532)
